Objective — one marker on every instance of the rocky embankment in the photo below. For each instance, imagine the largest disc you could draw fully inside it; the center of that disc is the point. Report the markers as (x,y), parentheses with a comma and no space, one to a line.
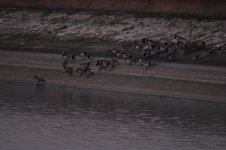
(96,30)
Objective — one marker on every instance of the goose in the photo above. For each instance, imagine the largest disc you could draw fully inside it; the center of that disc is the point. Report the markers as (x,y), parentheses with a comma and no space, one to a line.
(39,81)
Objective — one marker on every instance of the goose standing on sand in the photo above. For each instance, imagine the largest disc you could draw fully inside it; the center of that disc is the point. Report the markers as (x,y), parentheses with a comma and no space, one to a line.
(73,57)
(64,54)
(39,81)
(64,64)
(69,70)
(84,68)
(147,64)
(101,65)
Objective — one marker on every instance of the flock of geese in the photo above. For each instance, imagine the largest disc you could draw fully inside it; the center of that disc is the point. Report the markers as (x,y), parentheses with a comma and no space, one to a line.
(140,52)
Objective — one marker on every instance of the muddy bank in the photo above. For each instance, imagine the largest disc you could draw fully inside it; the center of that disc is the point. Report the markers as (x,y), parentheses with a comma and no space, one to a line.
(76,31)
(211,7)
(163,79)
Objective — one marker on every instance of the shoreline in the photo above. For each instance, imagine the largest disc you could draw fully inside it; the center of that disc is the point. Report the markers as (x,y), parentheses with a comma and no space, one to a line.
(180,81)
(131,91)
(220,62)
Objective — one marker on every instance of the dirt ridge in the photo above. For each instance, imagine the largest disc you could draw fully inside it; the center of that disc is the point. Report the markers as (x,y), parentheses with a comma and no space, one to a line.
(204,7)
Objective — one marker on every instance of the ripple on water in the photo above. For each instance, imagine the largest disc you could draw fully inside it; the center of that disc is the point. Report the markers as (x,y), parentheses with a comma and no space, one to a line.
(103,120)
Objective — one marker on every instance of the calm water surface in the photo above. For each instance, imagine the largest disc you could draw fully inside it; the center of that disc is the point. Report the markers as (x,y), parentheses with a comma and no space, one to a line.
(51,118)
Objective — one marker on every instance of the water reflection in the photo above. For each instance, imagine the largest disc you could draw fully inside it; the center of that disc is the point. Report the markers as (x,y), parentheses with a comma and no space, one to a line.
(60,118)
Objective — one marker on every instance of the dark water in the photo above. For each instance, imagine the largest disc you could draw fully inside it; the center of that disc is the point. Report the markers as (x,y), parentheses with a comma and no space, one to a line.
(51,118)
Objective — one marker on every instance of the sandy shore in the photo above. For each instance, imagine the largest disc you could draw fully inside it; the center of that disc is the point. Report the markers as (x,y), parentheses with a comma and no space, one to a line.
(183,81)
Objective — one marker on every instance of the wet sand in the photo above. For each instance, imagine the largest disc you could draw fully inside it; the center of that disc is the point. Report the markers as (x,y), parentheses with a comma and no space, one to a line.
(182,81)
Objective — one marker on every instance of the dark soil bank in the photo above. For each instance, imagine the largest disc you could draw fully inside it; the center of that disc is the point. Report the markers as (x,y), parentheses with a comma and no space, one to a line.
(210,7)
